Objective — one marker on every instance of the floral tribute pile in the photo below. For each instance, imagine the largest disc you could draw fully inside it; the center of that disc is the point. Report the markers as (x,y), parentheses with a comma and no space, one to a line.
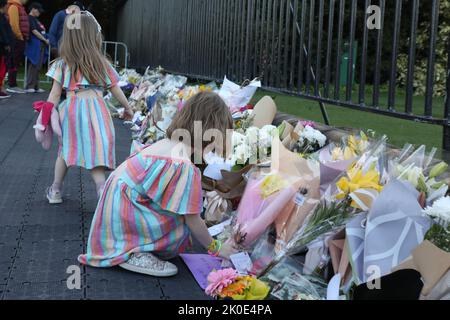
(313,218)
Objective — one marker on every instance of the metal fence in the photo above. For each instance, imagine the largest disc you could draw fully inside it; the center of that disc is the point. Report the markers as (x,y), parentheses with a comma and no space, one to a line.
(117,51)
(322,50)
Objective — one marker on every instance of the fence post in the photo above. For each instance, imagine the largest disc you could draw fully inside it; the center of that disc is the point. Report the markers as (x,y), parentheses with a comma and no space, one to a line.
(446,135)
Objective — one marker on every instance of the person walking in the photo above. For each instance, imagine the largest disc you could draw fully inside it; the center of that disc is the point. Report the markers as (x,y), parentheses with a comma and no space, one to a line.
(6,42)
(36,50)
(88,136)
(20,25)
(57,26)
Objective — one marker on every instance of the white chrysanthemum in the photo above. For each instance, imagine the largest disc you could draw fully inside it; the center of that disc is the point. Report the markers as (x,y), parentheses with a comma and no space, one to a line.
(252,134)
(237,139)
(241,154)
(440,210)
(312,136)
(266,136)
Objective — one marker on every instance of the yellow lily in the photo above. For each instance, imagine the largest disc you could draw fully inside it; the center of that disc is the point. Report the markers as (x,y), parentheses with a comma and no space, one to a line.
(356,180)
(349,153)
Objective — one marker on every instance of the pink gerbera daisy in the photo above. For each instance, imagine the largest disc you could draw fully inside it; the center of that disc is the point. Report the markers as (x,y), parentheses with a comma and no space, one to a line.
(218,280)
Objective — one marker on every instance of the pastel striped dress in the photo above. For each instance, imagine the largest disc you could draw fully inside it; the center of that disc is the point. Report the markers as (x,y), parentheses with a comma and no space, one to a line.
(142,210)
(88,135)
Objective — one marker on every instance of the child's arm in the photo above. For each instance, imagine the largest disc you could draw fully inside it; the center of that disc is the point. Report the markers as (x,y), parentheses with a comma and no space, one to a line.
(201,233)
(120,96)
(55,94)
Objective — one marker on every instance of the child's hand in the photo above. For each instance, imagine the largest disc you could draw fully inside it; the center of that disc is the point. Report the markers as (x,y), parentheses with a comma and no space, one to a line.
(227,250)
(128,114)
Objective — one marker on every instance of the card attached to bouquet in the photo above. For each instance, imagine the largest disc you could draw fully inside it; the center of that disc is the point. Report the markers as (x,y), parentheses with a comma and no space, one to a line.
(242,262)
(201,265)
(300,199)
(218,229)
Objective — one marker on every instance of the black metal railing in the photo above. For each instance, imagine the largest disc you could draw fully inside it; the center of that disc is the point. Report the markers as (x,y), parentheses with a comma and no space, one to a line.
(322,50)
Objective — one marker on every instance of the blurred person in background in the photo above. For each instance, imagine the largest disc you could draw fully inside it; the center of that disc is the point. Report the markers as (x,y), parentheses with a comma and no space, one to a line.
(6,42)
(20,25)
(37,48)
(57,26)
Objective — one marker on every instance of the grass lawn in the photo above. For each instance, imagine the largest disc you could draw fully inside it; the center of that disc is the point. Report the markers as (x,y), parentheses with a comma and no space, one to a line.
(399,131)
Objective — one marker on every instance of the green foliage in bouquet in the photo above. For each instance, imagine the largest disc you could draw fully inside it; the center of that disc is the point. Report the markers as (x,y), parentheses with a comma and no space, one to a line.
(326,218)
(439,236)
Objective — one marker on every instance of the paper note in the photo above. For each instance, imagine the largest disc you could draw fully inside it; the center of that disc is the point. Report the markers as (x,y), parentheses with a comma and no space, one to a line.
(272,184)
(242,262)
(201,265)
(218,229)
(299,199)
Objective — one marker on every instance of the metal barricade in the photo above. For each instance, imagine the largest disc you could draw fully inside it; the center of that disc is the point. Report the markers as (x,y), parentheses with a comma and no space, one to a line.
(119,56)
(117,53)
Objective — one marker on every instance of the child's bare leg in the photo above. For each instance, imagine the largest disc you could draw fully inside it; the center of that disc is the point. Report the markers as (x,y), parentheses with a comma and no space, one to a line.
(60,174)
(99,177)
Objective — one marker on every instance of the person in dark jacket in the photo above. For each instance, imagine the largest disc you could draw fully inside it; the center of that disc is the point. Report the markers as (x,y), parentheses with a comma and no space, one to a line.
(57,26)
(6,42)
(20,25)
(37,48)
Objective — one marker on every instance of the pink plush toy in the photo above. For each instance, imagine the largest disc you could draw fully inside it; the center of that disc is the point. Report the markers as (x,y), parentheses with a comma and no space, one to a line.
(47,123)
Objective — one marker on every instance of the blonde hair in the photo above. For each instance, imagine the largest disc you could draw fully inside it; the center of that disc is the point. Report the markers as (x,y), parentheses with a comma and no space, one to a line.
(81,49)
(207,108)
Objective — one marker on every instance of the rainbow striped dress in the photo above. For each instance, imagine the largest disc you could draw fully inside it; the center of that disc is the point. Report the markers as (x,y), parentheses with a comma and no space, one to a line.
(142,209)
(88,135)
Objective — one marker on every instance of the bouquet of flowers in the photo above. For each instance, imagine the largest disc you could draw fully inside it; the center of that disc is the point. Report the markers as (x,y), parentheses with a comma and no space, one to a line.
(228,284)
(303,139)
(289,282)
(357,189)
(415,167)
(351,147)
(252,146)
(310,140)
(243,120)
(265,197)
(129,77)
(337,158)
(190,90)
(439,234)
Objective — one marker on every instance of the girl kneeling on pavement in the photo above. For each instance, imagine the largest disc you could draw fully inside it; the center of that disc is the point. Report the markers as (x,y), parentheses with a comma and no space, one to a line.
(153,201)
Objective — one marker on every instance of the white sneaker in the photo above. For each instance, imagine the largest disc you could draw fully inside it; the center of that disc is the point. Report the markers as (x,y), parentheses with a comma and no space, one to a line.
(39,91)
(54,197)
(15,90)
(148,264)
(30,91)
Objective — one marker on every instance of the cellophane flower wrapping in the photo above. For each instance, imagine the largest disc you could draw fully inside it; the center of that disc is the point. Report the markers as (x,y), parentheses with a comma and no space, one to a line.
(419,168)
(335,209)
(289,282)
(264,199)
(275,204)
(336,158)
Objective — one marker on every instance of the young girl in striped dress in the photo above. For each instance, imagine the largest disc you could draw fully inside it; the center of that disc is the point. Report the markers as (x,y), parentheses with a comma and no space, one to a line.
(153,201)
(88,136)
